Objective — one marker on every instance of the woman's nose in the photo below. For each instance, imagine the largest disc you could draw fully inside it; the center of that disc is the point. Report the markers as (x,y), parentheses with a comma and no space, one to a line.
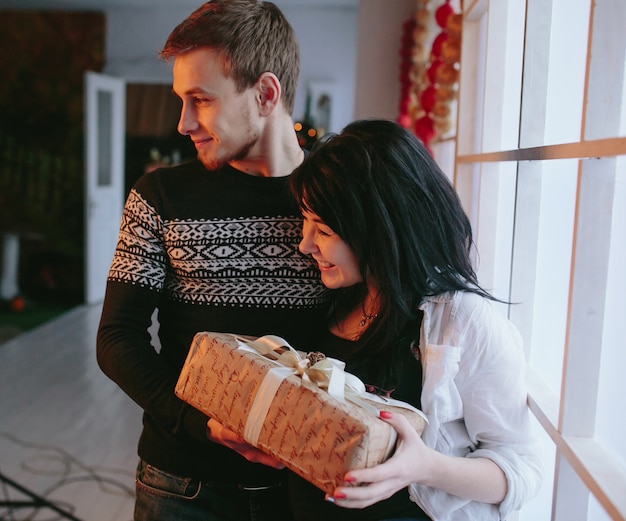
(306,245)
(303,246)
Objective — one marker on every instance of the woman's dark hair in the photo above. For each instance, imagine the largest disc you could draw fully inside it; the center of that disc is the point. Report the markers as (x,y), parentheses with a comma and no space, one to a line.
(377,186)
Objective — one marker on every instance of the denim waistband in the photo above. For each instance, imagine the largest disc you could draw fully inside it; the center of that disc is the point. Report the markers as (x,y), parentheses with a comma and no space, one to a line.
(154,475)
(258,488)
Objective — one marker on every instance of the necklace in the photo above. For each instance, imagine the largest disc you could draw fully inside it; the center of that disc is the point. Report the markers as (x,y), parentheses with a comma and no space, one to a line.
(365,318)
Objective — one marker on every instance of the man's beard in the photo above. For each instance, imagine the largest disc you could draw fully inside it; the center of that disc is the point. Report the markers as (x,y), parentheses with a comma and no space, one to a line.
(215,163)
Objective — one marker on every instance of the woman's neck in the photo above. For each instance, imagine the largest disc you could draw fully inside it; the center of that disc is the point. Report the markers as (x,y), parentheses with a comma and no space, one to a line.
(355,322)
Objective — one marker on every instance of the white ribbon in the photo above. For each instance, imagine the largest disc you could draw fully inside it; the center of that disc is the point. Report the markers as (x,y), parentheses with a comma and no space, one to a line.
(326,374)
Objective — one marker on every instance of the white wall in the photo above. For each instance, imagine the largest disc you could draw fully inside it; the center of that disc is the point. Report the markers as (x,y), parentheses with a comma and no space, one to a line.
(133,40)
(378,61)
(328,48)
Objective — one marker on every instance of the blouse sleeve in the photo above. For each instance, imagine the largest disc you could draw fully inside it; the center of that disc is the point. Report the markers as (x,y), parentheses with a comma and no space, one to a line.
(475,397)
(492,385)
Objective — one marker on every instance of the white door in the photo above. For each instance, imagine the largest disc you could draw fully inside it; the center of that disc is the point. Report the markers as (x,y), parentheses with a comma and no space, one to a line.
(105,124)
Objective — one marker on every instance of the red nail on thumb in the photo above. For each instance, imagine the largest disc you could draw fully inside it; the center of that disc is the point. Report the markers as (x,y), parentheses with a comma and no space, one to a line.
(385,414)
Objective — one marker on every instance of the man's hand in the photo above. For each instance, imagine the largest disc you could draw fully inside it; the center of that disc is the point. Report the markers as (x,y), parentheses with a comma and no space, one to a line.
(217,433)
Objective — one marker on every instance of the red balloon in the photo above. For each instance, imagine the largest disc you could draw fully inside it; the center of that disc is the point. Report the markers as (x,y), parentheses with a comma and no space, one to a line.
(442,14)
(428,98)
(404,120)
(425,129)
(437,43)
(431,72)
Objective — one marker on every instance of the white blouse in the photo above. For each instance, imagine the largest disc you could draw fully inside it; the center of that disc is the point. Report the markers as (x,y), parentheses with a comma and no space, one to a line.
(474,395)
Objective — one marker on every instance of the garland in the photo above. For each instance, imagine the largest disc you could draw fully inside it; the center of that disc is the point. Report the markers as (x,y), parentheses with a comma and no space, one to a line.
(428,82)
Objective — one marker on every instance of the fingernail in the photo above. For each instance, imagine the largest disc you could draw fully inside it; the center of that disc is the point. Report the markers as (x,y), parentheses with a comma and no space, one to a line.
(385,414)
(349,479)
(339,495)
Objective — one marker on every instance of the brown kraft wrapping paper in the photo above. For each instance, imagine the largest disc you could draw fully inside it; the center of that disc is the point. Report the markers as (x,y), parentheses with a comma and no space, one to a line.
(314,434)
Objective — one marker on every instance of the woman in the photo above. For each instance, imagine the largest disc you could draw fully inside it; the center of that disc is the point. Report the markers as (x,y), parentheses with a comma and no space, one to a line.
(409,318)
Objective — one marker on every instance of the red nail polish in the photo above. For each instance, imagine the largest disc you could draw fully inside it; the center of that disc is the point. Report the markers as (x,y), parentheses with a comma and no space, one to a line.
(385,414)
(349,479)
(339,495)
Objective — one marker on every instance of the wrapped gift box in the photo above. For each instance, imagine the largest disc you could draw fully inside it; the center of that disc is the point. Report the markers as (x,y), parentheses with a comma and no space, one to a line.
(308,414)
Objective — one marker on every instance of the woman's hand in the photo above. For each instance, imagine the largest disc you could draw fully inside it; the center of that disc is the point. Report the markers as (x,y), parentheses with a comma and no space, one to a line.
(407,465)
(476,479)
(217,433)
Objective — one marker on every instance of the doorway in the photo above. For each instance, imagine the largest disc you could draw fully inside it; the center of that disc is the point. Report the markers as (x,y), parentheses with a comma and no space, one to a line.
(129,135)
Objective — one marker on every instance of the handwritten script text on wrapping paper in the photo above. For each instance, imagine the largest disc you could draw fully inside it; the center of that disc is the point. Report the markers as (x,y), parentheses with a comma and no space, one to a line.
(306,429)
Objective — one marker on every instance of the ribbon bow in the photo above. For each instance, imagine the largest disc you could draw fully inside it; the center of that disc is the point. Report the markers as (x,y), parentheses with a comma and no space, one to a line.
(327,373)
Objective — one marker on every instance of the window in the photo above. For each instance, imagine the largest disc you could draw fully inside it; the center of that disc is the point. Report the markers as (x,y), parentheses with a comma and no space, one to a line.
(541,170)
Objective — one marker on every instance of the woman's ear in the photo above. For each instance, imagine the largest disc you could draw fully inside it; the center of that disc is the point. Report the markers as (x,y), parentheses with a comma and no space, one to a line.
(268,93)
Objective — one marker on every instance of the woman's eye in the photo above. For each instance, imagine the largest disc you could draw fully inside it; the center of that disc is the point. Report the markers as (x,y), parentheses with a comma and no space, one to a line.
(324,232)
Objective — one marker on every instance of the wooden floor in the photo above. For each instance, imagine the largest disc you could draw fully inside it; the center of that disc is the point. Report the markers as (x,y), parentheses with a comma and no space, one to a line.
(67,433)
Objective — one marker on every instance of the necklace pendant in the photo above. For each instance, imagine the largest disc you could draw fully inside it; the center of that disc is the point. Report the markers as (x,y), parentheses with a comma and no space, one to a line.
(366,318)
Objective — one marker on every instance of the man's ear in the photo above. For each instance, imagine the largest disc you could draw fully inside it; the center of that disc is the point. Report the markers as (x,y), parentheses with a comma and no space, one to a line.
(268,93)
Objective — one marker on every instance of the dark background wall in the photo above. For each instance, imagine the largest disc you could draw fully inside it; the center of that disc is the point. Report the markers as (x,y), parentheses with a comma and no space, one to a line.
(44,57)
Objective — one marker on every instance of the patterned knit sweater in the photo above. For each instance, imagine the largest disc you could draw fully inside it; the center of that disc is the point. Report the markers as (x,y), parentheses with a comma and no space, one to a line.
(213,251)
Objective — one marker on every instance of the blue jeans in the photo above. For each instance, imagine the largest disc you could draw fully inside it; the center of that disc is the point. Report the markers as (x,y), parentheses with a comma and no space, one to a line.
(162,496)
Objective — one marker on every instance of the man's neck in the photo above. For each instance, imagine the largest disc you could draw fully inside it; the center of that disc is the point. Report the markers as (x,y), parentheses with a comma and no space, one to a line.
(276,154)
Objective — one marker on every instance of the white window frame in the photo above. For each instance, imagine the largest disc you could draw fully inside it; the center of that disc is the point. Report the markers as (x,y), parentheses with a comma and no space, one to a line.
(508,139)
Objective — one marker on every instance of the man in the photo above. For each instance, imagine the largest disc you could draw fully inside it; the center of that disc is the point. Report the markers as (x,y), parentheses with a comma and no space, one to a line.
(212,244)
